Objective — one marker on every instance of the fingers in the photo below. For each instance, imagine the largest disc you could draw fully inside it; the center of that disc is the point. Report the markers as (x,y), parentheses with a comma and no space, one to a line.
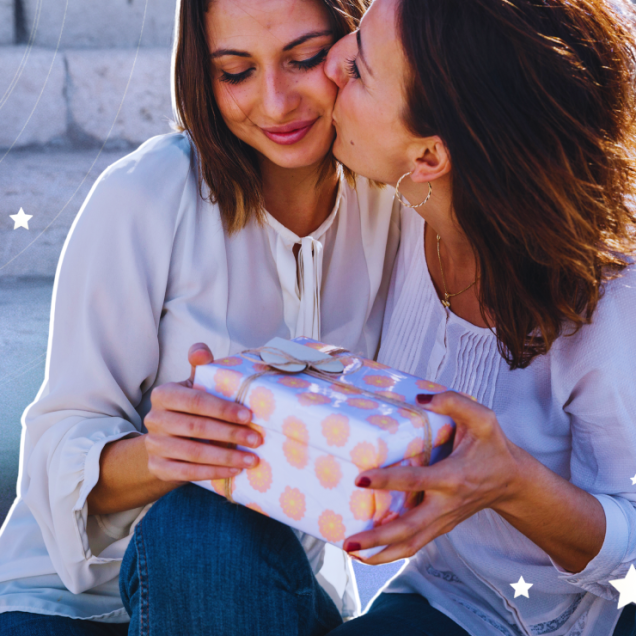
(193,452)
(398,551)
(171,470)
(176,397)
(404,536)
(193,426)
(463,410)
(199,354)
(404,478)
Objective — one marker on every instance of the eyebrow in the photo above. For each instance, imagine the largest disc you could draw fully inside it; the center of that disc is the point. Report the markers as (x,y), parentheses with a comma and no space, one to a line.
(288,47)
(364,61)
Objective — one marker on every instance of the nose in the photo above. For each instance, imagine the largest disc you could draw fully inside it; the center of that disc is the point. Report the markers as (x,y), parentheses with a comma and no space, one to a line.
(279,96)
(339,54)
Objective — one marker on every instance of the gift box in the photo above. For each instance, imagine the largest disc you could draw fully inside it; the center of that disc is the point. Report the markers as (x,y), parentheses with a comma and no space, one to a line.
(325,416)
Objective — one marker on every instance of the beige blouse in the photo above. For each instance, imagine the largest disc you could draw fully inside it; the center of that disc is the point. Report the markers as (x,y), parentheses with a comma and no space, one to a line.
(147,270)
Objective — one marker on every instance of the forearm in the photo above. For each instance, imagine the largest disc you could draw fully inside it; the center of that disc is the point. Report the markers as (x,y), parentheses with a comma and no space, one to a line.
(125,482)
(565,521)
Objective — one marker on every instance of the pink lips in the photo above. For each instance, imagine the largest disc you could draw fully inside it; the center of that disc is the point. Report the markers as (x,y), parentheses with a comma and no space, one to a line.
(290,133)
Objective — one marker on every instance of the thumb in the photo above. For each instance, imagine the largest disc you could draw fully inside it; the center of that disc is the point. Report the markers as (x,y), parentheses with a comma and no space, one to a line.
(198,355)
(466,412)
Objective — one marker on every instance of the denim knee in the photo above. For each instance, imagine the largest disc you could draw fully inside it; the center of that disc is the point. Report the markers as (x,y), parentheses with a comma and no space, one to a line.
(193,532)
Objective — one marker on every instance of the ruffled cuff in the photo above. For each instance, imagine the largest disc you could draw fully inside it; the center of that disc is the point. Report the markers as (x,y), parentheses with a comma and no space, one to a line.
(64,467)
(97,532)
(608,562)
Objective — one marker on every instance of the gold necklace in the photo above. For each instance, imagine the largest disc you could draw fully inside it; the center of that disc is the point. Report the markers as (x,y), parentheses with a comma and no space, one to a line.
(446,301)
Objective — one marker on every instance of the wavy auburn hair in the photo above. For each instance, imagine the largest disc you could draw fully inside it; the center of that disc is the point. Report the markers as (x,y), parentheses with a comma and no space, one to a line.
(228,165)
(535,101)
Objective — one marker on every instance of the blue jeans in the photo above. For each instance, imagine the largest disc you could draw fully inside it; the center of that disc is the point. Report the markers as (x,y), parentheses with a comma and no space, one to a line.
(25,624)
(198,564)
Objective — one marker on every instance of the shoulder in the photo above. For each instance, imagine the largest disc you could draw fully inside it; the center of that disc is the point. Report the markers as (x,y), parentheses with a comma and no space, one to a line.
(151,169)
(608,344)
(146,185)
(136,204)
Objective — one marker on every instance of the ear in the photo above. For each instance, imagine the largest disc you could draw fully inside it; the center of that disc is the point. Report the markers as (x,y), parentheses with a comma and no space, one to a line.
(431,160)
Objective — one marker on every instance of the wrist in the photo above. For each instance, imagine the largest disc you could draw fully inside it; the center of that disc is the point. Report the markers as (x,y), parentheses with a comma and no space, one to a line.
(515,483)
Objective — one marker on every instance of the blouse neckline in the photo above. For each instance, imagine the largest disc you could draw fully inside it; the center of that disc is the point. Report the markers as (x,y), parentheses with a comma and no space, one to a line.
(438,307)
(291,238)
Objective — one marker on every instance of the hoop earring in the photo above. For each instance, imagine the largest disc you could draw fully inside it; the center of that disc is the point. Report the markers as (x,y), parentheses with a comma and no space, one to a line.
(401,198)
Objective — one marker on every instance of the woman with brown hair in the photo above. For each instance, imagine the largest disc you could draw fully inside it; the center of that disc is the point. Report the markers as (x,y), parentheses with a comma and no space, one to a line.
(238,228)
(509,128)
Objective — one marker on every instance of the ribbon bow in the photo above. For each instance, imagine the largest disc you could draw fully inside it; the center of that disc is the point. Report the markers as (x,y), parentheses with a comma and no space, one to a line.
(319,368)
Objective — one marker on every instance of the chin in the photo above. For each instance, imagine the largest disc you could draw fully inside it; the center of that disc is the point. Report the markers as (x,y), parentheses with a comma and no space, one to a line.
(299,157)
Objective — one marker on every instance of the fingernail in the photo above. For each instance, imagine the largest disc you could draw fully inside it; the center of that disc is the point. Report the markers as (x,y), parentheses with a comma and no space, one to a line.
(352,546)
(424,398)
(363,482)
(244,416)
(235,471)
(250,460)
(253,439)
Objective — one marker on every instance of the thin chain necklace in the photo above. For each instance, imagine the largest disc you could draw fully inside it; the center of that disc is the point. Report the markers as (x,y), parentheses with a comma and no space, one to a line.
(447,296)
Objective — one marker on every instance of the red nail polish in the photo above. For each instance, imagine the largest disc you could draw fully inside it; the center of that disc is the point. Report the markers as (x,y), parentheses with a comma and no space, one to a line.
(363,482)
(352,546)
(424,398)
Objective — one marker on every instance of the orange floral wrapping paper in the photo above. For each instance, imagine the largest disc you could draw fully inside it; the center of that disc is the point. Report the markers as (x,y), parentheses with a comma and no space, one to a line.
(320,435)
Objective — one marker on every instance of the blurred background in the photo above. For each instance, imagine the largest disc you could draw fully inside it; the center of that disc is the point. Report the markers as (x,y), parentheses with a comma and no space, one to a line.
(81,85)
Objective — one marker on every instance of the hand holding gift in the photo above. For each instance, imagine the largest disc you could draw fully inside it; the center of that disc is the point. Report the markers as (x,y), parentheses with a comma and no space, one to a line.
(189,431)
(325,416)
(480,473)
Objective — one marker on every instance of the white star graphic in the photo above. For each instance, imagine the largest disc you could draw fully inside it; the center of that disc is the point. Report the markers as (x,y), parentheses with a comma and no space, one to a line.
(521,587)
(626,587)
(633,480)
(21,219)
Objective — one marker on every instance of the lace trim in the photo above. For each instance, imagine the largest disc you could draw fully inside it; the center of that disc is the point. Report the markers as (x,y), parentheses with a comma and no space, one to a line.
(447,576)
(511,630)
(553,625)
(579,626)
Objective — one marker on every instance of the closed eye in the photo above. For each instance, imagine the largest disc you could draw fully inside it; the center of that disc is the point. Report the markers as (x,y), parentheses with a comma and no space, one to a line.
(312,62)
(352,69)
(235,78)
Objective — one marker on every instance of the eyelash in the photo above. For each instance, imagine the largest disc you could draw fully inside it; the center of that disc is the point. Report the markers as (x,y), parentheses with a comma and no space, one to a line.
(352,69)
(304,65)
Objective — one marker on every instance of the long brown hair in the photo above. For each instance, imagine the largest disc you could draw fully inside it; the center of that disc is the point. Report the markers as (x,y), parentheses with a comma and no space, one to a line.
(228,165)
(535,102)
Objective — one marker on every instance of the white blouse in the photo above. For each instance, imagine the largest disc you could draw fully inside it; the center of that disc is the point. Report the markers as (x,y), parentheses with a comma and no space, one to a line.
(147,271)
(573,409)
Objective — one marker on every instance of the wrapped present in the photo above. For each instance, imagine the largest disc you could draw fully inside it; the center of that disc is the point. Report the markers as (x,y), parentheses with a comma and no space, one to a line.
(325,415)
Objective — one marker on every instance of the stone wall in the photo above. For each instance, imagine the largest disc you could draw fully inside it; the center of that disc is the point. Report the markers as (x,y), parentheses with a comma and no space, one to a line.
(106,24)
(81,84)
(7,21)
(86,73)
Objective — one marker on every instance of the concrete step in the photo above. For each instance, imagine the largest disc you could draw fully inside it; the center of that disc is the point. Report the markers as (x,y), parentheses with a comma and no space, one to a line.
(114,23)
(7,21)
(50,185)
(83,97)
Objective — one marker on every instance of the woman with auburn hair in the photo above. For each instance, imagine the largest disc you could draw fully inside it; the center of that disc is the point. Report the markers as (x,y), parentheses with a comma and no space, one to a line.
(238,228)
(509,128)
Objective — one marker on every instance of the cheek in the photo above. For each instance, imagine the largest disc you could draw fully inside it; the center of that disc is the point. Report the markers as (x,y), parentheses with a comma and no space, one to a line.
(351,115)
(233,102)
(322,91)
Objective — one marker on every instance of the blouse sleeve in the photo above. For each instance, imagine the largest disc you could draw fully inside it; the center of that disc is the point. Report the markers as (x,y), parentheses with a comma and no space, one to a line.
(103,353)
(595,372)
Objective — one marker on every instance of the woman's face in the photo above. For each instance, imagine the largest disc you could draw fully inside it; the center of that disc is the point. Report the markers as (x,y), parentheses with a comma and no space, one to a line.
(267,59)
(368,66)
